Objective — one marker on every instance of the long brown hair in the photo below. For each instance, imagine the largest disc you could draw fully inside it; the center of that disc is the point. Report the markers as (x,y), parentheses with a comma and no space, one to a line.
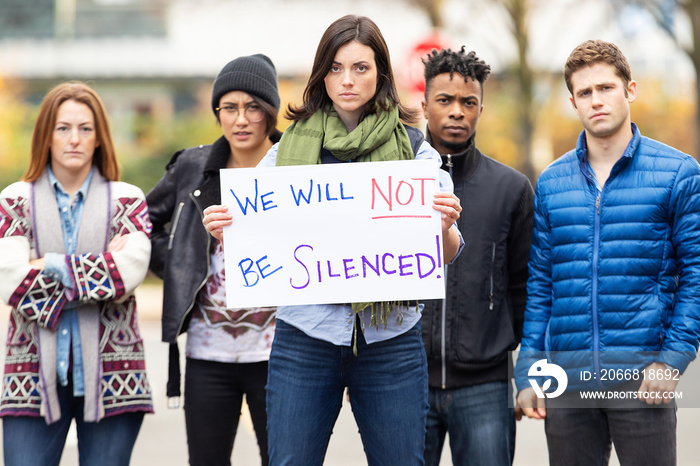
(342,31)
(104,158)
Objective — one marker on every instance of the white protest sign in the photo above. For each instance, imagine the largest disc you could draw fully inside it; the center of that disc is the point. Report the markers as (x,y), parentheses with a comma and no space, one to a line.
(334,233)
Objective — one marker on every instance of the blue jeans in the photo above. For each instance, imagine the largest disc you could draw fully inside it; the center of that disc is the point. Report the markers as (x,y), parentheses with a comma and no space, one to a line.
(583,436)
(28,441)
(480,425)
(388,388)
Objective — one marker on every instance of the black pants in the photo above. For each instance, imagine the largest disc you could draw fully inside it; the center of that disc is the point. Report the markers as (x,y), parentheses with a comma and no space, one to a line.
(213,398)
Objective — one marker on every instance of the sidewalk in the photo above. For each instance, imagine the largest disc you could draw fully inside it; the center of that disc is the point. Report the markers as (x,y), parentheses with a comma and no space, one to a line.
(162,439)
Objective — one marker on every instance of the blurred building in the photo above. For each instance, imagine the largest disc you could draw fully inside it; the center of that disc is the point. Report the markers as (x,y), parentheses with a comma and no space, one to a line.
(153,58)
(170,47)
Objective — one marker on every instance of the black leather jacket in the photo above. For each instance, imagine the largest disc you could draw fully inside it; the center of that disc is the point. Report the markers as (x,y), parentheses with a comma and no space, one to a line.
(180,244)
(482,318)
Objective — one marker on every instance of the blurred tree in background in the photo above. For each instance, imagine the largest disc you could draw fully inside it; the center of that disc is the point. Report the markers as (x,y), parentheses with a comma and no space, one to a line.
(660,115)
(668,15)
(15,131)
(159,140)
(518,12)
(522,130)
(527,127)
(528,119)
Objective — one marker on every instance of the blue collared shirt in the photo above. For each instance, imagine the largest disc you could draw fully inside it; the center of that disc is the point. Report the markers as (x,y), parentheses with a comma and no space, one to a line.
(594,177)
(334,322)
(55,266)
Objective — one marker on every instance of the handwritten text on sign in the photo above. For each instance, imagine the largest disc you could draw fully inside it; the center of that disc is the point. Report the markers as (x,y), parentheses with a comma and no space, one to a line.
(338,233)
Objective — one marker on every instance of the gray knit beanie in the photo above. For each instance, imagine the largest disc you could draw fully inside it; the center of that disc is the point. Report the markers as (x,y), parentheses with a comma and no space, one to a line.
(254,74)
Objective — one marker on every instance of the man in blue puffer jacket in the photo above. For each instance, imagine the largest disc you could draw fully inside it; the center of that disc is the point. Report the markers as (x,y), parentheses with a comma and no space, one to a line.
(614,268)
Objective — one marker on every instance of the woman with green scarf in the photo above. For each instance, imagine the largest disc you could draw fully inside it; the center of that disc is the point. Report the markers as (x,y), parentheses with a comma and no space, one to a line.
(350,113)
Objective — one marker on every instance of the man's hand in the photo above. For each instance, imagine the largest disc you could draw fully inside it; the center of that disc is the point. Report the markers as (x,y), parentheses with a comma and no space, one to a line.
(518,412)
(531,406)
(658,379)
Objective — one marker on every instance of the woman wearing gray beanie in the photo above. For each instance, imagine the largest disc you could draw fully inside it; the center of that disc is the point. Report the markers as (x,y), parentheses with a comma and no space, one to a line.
(227,349)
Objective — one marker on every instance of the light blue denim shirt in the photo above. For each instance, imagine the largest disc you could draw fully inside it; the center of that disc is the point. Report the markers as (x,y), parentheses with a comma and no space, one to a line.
(334,322)
(55,266)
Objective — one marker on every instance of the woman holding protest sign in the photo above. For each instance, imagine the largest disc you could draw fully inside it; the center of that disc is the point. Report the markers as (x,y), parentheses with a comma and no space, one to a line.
(350,113)
(74,247)
(227,349)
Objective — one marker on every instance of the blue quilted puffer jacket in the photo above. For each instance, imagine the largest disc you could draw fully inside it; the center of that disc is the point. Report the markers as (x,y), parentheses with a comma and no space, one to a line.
(620,270)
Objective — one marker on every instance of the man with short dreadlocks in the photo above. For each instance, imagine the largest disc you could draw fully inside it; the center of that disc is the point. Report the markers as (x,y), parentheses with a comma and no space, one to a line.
(468,335)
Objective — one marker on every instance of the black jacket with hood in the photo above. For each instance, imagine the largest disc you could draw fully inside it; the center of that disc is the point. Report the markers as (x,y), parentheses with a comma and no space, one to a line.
(467,336)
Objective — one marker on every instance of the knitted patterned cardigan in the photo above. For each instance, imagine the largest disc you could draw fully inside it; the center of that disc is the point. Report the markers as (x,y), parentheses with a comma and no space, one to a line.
(113,353)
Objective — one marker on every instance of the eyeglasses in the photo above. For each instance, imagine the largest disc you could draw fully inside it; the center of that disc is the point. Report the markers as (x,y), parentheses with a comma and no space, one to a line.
(253,112)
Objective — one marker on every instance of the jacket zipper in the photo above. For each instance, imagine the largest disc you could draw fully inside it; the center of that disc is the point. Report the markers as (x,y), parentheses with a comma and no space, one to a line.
(443,329)
(174,226)
(493,265)
(194,298)
(594,289)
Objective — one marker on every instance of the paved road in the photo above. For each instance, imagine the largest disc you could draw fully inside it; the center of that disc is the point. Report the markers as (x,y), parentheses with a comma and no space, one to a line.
(162,439)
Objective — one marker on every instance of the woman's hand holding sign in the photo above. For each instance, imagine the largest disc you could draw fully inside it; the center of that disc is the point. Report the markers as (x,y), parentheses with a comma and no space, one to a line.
(449,206)
(216,217)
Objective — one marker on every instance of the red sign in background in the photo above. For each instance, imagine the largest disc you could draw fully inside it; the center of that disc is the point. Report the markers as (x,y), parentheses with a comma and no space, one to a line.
(413,75)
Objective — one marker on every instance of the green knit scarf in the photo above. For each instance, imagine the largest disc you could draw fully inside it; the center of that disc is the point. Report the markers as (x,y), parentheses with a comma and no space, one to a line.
(378,137)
